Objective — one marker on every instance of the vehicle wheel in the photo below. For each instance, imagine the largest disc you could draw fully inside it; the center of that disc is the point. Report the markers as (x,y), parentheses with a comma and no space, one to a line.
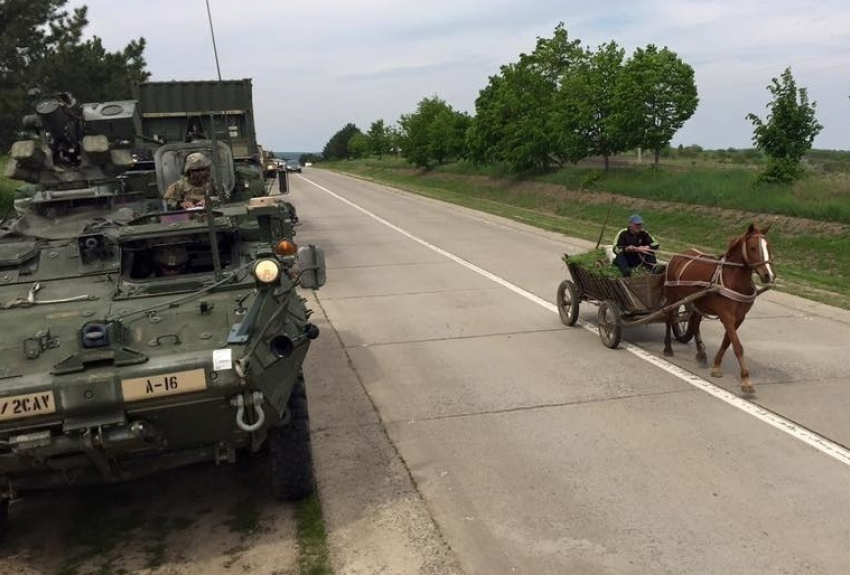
(683,329)
(290,453)
(610,324)
(567,302)
(4,518)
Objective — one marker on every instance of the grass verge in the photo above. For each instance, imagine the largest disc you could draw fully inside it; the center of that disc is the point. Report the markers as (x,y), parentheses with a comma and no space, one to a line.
(312,538)
(811,257)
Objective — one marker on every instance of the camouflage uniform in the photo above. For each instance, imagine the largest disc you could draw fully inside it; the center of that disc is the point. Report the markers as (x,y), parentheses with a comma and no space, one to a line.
(182,189)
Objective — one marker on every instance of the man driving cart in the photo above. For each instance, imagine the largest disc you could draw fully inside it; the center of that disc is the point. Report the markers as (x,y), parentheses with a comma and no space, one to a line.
(634,247)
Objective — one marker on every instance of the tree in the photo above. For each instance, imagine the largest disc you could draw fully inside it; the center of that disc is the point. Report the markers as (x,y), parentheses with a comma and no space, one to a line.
(416,144)
(788,131)
(358,146)
(447,135)
(41,46)
(657,95)
(588,107)
(433,133)
(337,146)
(379,139)
(517,116)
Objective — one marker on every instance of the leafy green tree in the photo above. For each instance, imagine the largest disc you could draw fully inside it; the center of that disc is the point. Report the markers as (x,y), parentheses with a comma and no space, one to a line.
(485,128)
(358,146)
(588,107)
(395,137)
(41,47)
(447,135)
(788,131)
(337,146)
(379,139)
(518,120)
(656,96)
(416,144)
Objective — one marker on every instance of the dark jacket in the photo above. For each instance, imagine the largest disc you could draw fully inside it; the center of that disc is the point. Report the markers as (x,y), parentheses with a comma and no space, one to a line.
(626,238)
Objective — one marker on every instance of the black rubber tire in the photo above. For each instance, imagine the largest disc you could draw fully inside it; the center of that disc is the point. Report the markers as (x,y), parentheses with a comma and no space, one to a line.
(683,331)
(610,324)
(567,302)
(290,452)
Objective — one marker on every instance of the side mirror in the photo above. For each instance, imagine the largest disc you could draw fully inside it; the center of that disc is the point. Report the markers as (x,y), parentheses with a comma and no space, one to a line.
(311,262)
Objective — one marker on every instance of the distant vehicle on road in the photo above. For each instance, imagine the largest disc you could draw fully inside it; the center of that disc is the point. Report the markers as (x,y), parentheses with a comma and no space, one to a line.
(293,166)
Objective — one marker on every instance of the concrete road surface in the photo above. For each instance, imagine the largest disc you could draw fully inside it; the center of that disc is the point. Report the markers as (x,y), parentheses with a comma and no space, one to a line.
(534,448)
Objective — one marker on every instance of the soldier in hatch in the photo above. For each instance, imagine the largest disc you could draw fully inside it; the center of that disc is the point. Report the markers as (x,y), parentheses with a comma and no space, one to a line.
(190,190)
(171,260)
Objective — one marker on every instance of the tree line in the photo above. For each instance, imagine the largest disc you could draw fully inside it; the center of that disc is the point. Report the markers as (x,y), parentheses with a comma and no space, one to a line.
(563,103)
(42,50)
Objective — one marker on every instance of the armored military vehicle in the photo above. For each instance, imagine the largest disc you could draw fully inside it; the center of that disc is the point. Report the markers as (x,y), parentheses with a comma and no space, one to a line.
(137,340)
(185,111)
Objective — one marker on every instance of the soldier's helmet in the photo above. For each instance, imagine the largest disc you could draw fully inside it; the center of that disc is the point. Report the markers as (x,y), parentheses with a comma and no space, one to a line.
(171,259)
(196,161)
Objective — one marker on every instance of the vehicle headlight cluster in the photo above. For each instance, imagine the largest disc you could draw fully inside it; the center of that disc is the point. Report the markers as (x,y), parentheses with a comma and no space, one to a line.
(266,271)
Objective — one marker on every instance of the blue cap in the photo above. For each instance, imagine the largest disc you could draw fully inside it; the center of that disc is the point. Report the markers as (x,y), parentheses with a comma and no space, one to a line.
(636,219)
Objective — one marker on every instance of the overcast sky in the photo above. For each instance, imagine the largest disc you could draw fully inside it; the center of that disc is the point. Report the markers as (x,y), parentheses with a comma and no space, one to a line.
(317,65)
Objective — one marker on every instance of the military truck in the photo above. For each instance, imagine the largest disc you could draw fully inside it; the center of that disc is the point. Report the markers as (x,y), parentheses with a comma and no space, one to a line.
(137,340)
(270,165)
(185,111)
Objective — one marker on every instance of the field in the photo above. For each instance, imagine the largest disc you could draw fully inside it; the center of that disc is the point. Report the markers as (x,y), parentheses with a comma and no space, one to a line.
(687,203)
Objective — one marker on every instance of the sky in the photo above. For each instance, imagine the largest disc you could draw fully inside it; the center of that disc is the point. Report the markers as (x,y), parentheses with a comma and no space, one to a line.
(317,65)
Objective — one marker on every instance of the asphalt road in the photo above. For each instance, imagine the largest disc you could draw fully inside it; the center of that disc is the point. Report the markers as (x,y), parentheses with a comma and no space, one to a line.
(520,445)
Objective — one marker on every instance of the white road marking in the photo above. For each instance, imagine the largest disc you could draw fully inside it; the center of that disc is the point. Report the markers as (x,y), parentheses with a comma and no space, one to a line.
(819,442)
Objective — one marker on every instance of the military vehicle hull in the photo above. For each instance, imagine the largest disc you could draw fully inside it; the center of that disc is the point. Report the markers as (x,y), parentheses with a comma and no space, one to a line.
(109,376)
(137,339)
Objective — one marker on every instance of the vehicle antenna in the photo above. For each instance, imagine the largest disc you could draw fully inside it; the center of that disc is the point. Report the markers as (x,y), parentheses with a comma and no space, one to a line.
(212,33)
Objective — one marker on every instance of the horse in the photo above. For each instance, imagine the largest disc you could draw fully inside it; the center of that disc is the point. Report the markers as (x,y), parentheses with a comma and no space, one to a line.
(733,293)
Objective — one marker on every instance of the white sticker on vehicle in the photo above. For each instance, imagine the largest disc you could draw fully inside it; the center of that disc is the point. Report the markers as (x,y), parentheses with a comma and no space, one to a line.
(222,359)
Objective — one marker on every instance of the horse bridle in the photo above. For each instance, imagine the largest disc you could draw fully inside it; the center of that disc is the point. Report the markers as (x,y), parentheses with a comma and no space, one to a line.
(769,260)
(717,277)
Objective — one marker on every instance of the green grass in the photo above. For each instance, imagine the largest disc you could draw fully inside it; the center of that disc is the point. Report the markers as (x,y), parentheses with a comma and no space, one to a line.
(312,538)
(823,197)
(811,263)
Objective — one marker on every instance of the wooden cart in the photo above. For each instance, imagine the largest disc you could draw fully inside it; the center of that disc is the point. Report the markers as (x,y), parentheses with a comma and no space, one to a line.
(623,302)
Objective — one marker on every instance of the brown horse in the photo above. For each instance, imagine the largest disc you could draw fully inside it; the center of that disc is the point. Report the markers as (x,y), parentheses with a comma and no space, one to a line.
(731,276)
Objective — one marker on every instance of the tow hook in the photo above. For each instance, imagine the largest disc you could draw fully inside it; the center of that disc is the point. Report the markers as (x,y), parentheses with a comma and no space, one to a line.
(256,398)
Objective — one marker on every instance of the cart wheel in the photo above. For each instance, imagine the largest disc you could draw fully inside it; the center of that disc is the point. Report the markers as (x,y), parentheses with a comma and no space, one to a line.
(683,330)
(610,324)
(567,302)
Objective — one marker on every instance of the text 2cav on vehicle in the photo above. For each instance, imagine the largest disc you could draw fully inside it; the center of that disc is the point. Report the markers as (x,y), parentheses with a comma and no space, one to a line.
(137,340)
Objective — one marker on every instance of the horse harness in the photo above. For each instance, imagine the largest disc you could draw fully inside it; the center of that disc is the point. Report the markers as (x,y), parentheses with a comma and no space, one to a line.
(717,277)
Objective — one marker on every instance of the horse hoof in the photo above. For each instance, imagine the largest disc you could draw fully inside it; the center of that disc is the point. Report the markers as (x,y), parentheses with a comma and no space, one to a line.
(717,372)
(668,353)
(748,390)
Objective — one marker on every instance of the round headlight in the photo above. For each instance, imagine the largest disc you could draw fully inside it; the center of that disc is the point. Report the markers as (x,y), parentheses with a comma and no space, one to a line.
(266,271)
